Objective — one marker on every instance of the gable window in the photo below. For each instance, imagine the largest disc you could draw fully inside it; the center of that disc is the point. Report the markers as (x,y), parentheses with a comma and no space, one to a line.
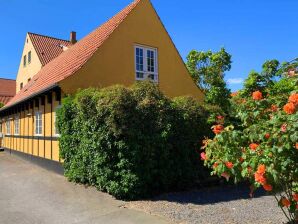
(21,86)
(17,125)
(25,60)
(29,79)
(38,123)
(146,63)
(29,57)
(8,127)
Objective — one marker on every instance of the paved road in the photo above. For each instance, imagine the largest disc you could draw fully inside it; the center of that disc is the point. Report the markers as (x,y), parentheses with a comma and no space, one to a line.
(32,195)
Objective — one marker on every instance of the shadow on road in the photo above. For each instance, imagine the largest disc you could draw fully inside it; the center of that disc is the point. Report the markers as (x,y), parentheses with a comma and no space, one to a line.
(222,193)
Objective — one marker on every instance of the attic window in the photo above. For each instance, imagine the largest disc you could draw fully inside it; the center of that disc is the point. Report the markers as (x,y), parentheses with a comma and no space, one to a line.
(146,63)
(25,60)
(29,57)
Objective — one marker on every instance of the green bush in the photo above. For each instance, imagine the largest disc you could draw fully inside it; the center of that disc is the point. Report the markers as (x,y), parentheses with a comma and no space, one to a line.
(131,142)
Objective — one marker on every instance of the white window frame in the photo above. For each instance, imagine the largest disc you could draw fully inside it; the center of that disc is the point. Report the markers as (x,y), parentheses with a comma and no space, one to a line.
(8,126)
(17,125)
(145,72)
(55,119)
(38,123)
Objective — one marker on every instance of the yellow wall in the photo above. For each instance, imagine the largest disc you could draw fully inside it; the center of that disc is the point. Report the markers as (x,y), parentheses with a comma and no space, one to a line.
(31,69)
(45,146)
(114,62)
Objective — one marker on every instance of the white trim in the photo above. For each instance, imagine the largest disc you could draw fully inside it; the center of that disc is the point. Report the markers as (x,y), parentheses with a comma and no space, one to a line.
(17,118)
(38,125)
(54,126)
(6,127)
(145,71)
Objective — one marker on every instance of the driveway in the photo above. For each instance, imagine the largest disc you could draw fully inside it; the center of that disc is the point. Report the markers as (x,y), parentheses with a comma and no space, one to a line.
(30,194)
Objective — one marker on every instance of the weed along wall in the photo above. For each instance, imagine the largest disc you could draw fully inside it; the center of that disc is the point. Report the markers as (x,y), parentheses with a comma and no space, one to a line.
(131,142)
(30,128)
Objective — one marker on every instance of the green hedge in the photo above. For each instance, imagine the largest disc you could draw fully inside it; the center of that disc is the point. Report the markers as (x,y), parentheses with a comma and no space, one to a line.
(131,142)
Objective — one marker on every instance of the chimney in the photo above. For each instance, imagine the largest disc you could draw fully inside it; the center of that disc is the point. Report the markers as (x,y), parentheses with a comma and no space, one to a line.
(73,37)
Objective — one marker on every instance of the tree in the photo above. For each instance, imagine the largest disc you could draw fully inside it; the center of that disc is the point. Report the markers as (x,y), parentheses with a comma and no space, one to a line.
(207,70)
(271,70)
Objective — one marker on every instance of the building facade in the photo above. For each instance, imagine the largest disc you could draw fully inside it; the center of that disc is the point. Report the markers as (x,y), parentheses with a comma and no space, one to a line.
(132,46)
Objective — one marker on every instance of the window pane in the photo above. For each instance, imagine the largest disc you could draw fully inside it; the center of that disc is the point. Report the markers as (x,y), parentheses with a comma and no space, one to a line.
(140,75)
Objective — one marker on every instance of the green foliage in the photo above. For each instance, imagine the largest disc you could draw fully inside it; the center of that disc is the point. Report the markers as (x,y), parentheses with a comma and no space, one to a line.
(271,70)
(207,70)
(131,142)
(1,104)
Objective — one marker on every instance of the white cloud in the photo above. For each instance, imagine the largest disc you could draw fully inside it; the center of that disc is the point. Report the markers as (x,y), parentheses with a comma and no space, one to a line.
(235,81)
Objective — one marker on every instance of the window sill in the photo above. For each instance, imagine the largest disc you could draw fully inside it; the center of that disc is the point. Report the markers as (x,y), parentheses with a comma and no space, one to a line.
(145,79)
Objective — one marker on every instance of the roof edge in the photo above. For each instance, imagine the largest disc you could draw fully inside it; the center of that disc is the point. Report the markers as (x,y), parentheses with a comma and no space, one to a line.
(29,97)
(42,35)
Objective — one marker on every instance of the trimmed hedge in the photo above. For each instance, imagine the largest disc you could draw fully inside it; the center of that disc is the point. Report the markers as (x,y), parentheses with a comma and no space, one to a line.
(131,142)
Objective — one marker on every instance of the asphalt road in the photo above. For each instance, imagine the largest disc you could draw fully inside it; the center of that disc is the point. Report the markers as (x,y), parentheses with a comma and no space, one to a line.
(30,194)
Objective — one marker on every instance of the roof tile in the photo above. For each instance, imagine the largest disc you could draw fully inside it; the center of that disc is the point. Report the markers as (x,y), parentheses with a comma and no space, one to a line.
(47,48)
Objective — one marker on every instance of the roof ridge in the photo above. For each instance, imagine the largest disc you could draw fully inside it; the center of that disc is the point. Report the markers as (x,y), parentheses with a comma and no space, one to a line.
(42,35)
(8,79)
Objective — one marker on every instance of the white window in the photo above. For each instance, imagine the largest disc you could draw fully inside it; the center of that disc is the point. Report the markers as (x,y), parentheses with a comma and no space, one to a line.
(56,130)
(8,127)
(38,123)
(146,63)
(17,125)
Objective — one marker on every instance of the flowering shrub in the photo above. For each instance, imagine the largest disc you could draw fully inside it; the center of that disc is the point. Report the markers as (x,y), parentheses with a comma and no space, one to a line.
(262,147)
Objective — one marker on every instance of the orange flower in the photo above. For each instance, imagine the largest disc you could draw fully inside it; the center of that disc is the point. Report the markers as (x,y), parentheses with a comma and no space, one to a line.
(215,165)
(203,156)
(294,99)
(289,108)
(234,94)
(217,129)
(267,187)
(241,160)
(229,165)
(296,145)
(274,108)
(261,169)
(267,135)
(253,146)
(295,197)
(260,178)
(285,202)
(257,95)
(284,128)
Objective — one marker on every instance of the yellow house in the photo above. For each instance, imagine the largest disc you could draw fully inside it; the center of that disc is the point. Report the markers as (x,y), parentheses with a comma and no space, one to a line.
(132,46)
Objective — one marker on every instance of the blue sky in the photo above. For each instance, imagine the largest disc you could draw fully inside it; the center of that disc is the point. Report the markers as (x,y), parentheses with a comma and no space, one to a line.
(251,30)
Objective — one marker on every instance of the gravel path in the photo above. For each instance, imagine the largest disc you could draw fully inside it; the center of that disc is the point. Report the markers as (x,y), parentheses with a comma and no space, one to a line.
(224,205)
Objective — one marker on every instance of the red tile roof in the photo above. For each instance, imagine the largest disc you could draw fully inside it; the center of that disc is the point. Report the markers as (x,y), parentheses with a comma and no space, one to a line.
(71,60)
(7,90)
(47,48)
